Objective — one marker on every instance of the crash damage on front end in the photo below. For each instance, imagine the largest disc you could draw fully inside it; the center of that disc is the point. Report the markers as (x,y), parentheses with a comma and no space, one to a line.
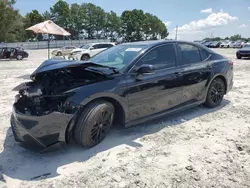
(42,111)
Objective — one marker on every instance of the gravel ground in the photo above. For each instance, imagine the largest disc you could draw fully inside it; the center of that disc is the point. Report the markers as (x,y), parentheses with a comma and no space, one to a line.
(197,148)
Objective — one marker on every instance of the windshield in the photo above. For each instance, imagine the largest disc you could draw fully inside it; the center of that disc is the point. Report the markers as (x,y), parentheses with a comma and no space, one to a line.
(247,46)
(85,46)
(118,56)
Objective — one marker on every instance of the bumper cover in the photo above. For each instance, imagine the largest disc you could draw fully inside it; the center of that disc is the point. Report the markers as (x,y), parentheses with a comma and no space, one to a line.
(40,133)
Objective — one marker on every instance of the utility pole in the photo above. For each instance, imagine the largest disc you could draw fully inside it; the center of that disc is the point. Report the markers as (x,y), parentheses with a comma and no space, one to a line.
(176,34)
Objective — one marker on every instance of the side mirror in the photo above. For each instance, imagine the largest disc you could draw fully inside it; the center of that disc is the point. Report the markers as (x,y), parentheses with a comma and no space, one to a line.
(145,69)
(92,48)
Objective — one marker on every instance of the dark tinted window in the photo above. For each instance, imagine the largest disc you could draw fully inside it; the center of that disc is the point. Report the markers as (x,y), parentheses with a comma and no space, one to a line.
(106,45)
(161,57)
(189,54)
(204,54)
(98,46)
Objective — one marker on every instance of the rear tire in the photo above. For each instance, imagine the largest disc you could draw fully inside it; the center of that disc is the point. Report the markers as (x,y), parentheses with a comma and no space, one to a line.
(59,54)
(94,123)
(215,93)
(85,57)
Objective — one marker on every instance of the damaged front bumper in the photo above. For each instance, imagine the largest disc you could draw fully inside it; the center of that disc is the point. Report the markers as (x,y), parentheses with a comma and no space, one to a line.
(40,133)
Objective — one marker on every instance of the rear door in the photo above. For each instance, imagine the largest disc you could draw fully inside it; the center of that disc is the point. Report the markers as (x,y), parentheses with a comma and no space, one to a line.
(156,92)
(195,70)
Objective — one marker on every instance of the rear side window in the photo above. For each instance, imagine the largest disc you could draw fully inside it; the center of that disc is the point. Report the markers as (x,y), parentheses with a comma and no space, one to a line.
(189,54)
(204,54)
(161,57)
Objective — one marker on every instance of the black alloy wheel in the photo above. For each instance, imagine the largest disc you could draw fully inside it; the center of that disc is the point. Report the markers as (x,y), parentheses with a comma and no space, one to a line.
(215,93)
(94,123)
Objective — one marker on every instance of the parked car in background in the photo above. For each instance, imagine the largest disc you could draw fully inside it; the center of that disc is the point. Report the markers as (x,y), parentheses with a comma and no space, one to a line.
(207,43)
(215,44)
(124,85)
(238,44)
(64,51)
(227,44)
(13,53)
(87,51)
(243,52)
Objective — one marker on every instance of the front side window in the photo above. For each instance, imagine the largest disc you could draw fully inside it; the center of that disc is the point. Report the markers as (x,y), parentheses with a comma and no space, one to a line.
(85,46)
(160,57)
(189,54)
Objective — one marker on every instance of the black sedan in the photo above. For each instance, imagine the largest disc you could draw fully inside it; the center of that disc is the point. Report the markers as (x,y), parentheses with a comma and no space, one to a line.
(243,52)
(13,53)
(124,85)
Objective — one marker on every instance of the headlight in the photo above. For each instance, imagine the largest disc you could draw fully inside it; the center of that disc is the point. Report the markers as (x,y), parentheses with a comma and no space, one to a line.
(74,53)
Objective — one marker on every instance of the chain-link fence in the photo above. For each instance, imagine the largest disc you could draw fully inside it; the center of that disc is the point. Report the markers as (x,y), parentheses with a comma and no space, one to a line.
(53,44)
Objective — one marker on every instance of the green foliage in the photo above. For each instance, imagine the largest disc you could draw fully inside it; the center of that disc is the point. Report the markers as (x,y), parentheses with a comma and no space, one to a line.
(84,20)
(232,38)
(137,26)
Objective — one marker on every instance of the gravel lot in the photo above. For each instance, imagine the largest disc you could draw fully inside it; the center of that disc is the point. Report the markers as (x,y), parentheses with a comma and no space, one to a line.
(197,148)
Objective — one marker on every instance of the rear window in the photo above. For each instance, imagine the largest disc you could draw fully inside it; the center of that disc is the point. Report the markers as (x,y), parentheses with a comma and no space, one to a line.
(189,54)
(204,54)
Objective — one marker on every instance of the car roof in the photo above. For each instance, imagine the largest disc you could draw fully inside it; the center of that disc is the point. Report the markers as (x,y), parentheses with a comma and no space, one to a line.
(159,42)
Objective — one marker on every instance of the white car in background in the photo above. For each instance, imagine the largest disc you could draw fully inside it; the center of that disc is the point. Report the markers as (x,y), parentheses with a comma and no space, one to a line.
(64,51)
(227,44)
(87,51)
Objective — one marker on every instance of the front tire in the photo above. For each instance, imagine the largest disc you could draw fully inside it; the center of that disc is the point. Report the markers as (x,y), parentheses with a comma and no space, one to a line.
(85,57)
(59,54)
(215,93)
(239,57)
(94,123)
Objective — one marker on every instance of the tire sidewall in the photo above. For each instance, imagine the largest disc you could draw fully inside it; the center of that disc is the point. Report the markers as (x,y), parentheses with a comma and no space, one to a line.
(88,120)
(209,102)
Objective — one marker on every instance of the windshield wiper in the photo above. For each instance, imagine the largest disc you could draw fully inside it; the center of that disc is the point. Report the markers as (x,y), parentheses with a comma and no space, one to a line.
(90,64)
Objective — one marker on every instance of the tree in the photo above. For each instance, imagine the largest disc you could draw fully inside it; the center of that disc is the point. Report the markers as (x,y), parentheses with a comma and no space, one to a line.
(235,37)
(112,26)
(32,18)
(132,25)
(46,15)
(138,26)
(60,13)
(95,20)
(10,22)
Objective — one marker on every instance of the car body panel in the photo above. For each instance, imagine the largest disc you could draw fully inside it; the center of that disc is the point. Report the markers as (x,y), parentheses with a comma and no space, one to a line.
(141,97)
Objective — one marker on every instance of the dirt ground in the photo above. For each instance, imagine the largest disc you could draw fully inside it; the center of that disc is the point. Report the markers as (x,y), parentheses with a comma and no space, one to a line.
(197,148)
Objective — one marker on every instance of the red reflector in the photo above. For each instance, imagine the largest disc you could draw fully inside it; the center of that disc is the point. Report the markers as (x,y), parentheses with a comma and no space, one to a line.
(230,63)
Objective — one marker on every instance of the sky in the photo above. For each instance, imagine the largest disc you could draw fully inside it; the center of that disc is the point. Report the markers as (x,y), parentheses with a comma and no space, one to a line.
(196,19)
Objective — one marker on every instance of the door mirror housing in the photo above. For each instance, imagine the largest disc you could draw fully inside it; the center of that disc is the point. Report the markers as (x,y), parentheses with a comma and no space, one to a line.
(145,69)
(92,48)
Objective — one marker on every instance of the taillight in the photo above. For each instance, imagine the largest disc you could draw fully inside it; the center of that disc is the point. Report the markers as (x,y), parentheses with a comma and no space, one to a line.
(230,63)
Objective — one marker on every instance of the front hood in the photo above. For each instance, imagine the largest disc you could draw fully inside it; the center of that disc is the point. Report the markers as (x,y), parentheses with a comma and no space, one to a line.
(56,64)
(53,64)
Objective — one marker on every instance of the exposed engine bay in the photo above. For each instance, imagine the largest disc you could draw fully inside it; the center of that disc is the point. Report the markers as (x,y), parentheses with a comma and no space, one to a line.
(46,93)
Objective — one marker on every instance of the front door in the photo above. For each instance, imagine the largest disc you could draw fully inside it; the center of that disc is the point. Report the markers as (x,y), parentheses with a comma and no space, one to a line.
(153,93)
(195,70)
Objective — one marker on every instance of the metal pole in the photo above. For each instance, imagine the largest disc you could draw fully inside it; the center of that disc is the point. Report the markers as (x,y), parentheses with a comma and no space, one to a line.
(176,34)
(48,47)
